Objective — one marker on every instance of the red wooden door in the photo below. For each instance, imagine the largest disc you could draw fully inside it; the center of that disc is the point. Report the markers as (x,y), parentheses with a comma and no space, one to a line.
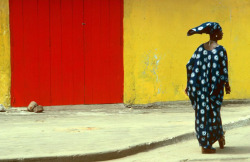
(66,51)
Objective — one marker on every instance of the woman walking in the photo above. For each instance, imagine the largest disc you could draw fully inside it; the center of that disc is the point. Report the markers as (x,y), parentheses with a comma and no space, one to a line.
(207,75)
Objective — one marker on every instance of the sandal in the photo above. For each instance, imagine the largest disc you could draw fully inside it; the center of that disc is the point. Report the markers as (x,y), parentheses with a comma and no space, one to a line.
(208,150)
(222,141)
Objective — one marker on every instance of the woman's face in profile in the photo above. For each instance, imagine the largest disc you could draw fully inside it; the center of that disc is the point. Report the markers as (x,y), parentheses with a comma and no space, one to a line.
(219,35)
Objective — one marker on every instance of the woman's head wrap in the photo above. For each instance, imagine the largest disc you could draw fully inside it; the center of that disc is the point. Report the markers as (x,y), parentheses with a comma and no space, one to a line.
(208,28)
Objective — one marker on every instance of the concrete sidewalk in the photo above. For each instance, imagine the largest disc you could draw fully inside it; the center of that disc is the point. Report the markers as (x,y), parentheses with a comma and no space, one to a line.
(237,149)
(102,132)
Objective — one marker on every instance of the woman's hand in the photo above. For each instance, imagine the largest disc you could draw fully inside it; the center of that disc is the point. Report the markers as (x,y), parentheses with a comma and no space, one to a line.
(228,88)
(186,91)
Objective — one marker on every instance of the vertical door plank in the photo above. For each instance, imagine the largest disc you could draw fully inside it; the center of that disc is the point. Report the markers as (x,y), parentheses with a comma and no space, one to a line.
(96,51)
(31,60)
(44,52)
(67,62)
(17,55)
(78,53)
(104,56)
(56,52)
(88,51)
(116,49)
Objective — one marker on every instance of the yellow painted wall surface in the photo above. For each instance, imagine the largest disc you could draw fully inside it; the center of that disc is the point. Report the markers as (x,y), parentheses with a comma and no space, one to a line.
(5,69)
(156,48)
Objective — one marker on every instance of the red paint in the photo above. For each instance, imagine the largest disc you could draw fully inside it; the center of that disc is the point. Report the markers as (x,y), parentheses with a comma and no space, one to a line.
(56,60)
(67,50)
(78,53)
(44,51)
(104,77)
(56,53)
(16,28)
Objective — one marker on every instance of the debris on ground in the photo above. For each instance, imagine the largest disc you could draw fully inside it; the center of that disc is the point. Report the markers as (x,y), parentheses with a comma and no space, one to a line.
(31,106)
(38,109)
(2,108)
(34,107)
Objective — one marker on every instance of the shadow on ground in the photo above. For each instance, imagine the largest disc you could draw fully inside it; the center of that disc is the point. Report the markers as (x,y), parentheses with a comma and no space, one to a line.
(234,150)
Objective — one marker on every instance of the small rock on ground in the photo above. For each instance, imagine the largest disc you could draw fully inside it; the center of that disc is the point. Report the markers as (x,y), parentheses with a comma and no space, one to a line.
(2,108)
(31,106)
(38,109)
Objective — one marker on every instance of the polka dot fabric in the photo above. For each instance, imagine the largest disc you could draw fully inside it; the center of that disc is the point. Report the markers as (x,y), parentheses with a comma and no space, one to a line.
(208,28)
(207,73)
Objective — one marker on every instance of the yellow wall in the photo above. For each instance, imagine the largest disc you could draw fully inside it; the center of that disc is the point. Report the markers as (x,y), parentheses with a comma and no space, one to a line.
(5,71)
(156,48)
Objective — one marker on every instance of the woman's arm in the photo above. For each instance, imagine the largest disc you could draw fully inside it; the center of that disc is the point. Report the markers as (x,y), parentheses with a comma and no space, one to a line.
(228,88)
(189,68)
(225,72)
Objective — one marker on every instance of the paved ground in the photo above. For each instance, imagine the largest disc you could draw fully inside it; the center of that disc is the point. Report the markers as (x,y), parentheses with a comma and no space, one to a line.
(237,149)
(103,132)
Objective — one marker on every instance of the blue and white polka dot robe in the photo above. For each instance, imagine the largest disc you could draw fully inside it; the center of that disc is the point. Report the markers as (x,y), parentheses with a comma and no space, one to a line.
(207,73)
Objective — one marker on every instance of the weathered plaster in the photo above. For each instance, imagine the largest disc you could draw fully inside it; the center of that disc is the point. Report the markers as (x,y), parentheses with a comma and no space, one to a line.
(5,69)
(156,48)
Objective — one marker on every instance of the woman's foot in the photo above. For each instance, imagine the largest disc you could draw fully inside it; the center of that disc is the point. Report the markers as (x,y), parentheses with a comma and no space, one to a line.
(222,141)
(208,150)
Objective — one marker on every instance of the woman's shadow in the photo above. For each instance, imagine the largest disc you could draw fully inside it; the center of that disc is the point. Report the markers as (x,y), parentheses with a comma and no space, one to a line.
(234,150)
